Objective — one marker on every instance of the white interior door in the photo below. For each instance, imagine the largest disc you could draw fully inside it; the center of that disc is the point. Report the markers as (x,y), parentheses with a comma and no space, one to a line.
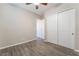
(40,33)
(66,28)
(51,31)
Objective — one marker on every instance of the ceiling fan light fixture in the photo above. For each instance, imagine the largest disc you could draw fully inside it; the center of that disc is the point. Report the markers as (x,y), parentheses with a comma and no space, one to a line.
(36,3)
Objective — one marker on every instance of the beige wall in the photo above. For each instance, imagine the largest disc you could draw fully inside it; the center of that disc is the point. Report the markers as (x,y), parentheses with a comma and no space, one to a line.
(64,7)
(16,25)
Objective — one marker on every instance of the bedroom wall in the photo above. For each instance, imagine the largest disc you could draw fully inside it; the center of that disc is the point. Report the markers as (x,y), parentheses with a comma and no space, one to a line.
(17,25)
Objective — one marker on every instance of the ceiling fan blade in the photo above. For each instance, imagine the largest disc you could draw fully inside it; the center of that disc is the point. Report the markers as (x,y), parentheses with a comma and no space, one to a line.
(28,3)
(44,3)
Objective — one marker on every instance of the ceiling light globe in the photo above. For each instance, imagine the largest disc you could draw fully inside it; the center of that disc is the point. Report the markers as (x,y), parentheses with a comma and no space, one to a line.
(36,3)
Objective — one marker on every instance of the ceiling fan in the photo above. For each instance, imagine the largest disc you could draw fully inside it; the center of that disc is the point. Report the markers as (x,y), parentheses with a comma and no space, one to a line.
(37,4)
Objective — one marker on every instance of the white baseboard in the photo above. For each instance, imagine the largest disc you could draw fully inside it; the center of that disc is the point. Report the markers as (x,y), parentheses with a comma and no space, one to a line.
(17,44)
(76,50)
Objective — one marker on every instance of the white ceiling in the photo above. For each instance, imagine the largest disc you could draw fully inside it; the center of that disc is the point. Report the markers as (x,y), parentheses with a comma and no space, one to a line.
(41,9)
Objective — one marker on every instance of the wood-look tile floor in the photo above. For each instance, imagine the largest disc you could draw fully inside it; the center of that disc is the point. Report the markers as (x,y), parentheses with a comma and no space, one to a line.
(37,48)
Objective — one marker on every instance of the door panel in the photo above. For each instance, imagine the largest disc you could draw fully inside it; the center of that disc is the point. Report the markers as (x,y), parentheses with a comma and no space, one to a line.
(66,28)
(52,29)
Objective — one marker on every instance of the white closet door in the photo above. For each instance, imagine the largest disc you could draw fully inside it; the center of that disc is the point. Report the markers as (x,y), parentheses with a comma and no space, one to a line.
(66,28)
(52,29)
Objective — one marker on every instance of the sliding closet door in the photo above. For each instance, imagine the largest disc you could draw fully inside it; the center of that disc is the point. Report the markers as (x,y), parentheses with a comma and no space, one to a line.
(66,28)
(51,28)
